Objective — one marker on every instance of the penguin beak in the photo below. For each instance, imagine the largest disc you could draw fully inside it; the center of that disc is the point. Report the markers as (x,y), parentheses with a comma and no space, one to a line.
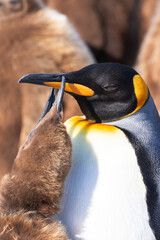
(54,80)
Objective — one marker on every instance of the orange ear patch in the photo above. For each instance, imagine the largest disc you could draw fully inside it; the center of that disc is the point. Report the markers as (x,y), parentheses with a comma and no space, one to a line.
(141,91)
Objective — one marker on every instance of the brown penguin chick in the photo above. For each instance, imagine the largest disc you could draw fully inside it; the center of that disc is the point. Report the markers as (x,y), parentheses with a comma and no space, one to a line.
(33,38)
(149,56)
(32,191)
(27,226)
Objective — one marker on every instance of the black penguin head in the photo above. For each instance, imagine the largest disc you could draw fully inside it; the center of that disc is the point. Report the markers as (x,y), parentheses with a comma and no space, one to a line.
(105,91)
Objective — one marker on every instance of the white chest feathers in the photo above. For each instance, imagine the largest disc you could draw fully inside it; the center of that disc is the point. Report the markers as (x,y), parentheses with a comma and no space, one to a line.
(105,196)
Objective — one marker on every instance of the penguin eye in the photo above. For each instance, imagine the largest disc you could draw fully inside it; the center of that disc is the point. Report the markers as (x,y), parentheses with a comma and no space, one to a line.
(13,2)
(110,88)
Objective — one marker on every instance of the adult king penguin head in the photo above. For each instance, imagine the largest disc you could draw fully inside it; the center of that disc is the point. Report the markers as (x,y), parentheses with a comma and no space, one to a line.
(105,92)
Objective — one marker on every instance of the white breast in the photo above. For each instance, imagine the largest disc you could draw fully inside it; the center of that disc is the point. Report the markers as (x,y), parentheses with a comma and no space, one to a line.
(105,196)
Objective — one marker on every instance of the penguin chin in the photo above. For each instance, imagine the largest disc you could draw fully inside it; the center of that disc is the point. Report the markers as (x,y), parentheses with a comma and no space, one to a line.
(102,118)
(105,113)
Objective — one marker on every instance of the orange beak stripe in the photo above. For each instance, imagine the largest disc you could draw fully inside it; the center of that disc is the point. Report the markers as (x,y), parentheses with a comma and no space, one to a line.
(72,87)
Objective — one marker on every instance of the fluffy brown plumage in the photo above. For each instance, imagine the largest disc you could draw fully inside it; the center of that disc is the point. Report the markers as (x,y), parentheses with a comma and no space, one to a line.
(27,226)
(149,56)
(32,191)
(33,38)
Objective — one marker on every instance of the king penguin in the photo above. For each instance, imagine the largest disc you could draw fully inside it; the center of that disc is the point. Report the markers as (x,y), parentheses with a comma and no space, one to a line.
(113,189)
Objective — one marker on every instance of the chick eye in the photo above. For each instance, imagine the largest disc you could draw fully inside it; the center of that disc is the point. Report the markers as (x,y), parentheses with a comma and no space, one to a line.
(110,88)
(13,2)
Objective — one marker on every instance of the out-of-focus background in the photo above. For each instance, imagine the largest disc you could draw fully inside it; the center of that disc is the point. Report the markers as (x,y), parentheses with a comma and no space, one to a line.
(53,36)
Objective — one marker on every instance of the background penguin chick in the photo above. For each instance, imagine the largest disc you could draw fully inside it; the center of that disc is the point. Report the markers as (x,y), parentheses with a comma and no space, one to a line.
(36,182)
(35,39)
(148,59)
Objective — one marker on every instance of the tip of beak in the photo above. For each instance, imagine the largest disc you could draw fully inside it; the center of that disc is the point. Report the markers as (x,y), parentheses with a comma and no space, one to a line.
(32,78)
(23,79)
